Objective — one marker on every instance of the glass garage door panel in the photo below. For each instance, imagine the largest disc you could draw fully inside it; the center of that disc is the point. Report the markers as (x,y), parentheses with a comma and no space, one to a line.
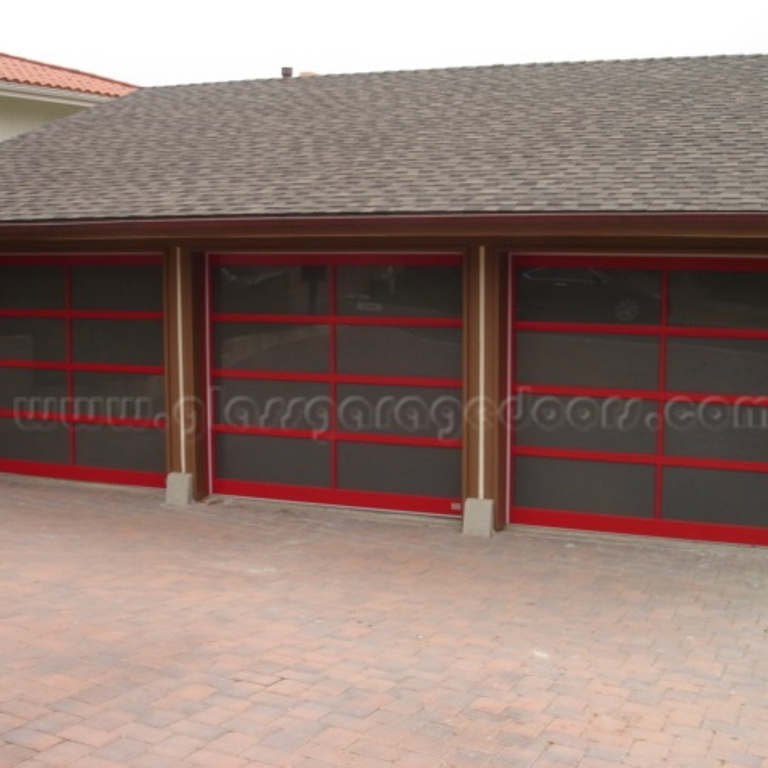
(118,288)
(721,366)
(596,487)
(37,441)
(406,469)
(32,287)
(281,460)
(42,339)
(272,347)
(716,431)
(271,289)
(118,342)
(586,423)
(30,390)
(399,351)
(718,299)
(400,290)
(579,359)
(113,447)
(588,295)
(273,404)
(716,496)
(408,411)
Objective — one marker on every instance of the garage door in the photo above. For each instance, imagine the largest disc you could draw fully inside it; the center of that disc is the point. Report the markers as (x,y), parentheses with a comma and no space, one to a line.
(82,368)
(640,394)
(337,378)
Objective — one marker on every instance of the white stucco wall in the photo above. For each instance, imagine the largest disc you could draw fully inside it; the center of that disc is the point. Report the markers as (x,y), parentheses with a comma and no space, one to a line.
(18,115)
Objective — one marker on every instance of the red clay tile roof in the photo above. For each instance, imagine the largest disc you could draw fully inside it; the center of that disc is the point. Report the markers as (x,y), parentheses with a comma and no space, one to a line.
(17,70)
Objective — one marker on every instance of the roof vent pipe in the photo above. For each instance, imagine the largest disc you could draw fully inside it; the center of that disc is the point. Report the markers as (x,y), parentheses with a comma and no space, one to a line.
(287,72)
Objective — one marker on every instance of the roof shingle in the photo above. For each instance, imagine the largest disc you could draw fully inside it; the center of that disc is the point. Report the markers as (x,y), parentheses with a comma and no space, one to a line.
(666,135)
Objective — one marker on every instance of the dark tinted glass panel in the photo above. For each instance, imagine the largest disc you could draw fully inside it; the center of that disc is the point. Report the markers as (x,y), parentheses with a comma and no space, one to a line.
(273,404)
(32,338)
(120,288)
(725,366)
(27,440)
(119,395)
(719,299)
(399,351)
(282,460)
(577,359)
(140,450)
(586,423)
(399,290)
(32,287)
(716,496)
(587,295)
(126,342)
(400,469)
(716,431)
(417,411)
(272,347)
(23,389)
(271,290)
(602,488)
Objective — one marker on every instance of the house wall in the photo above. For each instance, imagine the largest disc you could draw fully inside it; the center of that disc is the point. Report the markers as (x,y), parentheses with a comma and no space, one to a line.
(19,115)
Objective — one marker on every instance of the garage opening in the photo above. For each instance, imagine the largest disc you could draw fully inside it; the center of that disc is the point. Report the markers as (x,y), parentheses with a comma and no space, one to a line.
(337,378)
(639,393)
(82,388)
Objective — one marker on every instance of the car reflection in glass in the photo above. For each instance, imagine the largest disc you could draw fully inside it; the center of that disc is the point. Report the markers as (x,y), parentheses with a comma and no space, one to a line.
(588,295)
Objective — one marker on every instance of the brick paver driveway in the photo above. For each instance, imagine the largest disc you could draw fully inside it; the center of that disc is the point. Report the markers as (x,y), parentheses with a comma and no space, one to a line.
(244,634)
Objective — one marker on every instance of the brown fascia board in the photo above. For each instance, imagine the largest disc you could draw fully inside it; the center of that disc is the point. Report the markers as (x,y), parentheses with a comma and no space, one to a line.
(616,225)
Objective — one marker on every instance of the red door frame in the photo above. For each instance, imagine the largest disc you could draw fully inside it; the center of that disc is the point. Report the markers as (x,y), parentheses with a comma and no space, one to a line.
(334,495)
(656,526)
(72,470)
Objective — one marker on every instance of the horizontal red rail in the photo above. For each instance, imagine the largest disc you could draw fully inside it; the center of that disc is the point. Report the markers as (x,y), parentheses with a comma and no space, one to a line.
(338,378)
(83,472)
(677,529)
(82,314)
(613,329)
(339,497)
(45,365)
(654,261)
(80,259)
(709,398)
(338,435)
(336,258)
(639,458)
(389,320)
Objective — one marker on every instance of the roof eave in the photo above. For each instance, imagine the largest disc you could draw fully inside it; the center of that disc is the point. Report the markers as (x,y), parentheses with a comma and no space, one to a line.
(51,95)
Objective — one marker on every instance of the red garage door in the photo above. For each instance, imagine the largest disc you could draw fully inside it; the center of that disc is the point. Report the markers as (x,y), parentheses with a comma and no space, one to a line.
(640,395)
(337,378)
(82,388)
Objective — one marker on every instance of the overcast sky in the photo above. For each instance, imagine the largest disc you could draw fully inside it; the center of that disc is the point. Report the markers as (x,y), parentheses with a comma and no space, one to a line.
(160,42)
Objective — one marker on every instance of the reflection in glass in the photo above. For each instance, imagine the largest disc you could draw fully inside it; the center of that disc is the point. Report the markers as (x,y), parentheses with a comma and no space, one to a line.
(271,289)
(718,299)
(588,295)
(272,347)
(578,359)
(28,390)
(119,395)
(400,290)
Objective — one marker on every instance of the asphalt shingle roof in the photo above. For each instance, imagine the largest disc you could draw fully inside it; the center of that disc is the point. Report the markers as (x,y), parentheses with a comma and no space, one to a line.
(666,135)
